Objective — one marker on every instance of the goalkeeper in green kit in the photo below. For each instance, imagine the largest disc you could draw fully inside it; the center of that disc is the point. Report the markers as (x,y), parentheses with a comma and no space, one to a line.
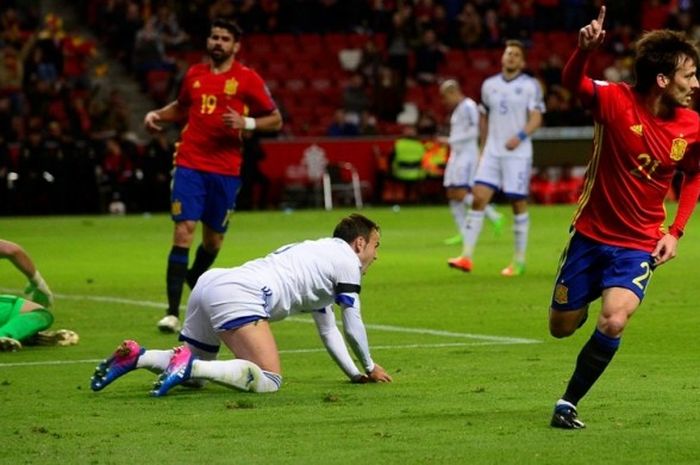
(27,320)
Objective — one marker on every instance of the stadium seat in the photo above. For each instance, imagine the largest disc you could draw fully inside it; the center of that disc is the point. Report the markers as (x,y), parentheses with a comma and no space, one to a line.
(295,84)
(334,43)
(277,69)
(312,44)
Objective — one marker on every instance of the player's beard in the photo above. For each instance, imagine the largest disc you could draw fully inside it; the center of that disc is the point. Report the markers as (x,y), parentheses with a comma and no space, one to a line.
(219,55)
(679,99)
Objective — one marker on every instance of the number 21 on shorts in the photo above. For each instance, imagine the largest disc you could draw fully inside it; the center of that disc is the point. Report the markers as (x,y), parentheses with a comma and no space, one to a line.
(642,281)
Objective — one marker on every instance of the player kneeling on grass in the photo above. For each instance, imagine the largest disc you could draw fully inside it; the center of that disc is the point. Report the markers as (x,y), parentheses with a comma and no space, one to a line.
(27,320)
(236,306)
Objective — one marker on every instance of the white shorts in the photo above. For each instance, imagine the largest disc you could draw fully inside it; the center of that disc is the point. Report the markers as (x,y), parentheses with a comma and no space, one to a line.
(460,170)
(220,302)
(508,174)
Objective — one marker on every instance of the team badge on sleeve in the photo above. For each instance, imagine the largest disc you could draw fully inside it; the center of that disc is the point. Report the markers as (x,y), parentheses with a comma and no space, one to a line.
(678,149)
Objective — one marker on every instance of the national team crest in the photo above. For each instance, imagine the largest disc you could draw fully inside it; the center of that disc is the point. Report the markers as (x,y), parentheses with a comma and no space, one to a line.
(176,208)
(561,294)
(231,87)
(197,84)
(678,149)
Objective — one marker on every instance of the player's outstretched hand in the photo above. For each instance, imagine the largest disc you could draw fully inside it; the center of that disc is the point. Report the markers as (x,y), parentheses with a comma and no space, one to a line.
(379,375)
(152,121)
(591,36)
(665,249)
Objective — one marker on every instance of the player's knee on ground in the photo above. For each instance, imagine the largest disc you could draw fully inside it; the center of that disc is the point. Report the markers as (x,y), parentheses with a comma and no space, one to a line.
(238,373)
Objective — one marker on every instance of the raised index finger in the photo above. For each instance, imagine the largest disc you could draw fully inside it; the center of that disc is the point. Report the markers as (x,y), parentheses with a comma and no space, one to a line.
(601,15)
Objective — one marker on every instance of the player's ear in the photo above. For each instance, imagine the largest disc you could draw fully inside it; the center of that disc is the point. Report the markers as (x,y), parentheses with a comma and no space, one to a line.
(236,47)
(359,244)
(662,80)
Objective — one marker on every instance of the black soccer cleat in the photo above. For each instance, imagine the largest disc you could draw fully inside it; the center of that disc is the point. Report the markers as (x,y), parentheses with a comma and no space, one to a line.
(566,417)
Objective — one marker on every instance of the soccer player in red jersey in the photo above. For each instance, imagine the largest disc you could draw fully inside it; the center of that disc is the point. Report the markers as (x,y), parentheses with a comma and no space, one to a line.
(643,134)
(219,100)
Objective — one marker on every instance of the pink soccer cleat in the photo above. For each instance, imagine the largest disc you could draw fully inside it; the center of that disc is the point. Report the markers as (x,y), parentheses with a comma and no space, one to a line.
(122,361)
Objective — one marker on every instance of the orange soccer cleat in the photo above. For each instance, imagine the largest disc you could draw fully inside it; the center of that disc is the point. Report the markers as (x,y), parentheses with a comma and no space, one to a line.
(460,263)
(514,269)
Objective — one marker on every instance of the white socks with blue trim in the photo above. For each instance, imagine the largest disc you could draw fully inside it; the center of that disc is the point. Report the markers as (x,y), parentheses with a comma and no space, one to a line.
(240,374)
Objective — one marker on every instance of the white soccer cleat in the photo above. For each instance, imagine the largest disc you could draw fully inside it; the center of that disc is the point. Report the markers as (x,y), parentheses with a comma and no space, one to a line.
(169,324)
(60,337)
(8,344)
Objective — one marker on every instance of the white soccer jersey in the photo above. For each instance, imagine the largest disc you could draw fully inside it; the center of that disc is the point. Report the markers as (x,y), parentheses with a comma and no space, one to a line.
(507,104)
(464,127)
(305,276)
(302,277)
(464,147)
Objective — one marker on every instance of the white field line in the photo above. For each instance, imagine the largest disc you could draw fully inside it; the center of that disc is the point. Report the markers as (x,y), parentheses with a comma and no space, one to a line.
(482,339)
(289,351)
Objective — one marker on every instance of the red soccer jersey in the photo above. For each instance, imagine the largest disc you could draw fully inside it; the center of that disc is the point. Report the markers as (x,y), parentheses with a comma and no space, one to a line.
(206,144)
(635,156)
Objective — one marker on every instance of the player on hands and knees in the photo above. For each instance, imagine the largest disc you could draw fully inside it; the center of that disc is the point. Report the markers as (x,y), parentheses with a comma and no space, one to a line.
(643,135)
(235,306)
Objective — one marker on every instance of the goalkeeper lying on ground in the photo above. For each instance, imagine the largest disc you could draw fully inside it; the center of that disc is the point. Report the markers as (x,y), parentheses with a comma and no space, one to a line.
(27,320)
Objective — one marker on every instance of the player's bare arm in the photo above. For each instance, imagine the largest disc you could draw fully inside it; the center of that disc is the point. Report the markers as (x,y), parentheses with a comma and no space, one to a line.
(267,123)
(534,121)
(591,36)
(170,112)
(483,129)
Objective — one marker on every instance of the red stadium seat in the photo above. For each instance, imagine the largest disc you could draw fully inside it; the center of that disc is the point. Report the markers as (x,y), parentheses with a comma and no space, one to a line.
(295,84)
(336,42)
(311,44)
(277,69)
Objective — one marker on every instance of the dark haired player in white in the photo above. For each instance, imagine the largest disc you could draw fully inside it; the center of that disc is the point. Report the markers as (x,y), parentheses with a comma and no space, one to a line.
(235,306)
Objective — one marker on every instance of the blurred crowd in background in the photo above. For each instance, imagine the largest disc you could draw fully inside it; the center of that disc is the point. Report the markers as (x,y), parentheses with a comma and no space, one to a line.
(336,68)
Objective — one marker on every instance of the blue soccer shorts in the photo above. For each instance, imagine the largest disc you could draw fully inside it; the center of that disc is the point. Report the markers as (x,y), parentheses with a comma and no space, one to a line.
(588,267)
(201,196)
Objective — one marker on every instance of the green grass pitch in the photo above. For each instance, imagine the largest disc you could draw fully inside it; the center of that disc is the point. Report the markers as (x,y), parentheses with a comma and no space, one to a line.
(475,371)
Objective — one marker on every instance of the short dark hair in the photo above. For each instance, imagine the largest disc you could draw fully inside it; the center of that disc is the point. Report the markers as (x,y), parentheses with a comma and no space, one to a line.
(230,25)
(660,52)
(353,226)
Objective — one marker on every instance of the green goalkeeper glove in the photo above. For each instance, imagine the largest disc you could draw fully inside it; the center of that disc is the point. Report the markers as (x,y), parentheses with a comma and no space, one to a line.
(38,291)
